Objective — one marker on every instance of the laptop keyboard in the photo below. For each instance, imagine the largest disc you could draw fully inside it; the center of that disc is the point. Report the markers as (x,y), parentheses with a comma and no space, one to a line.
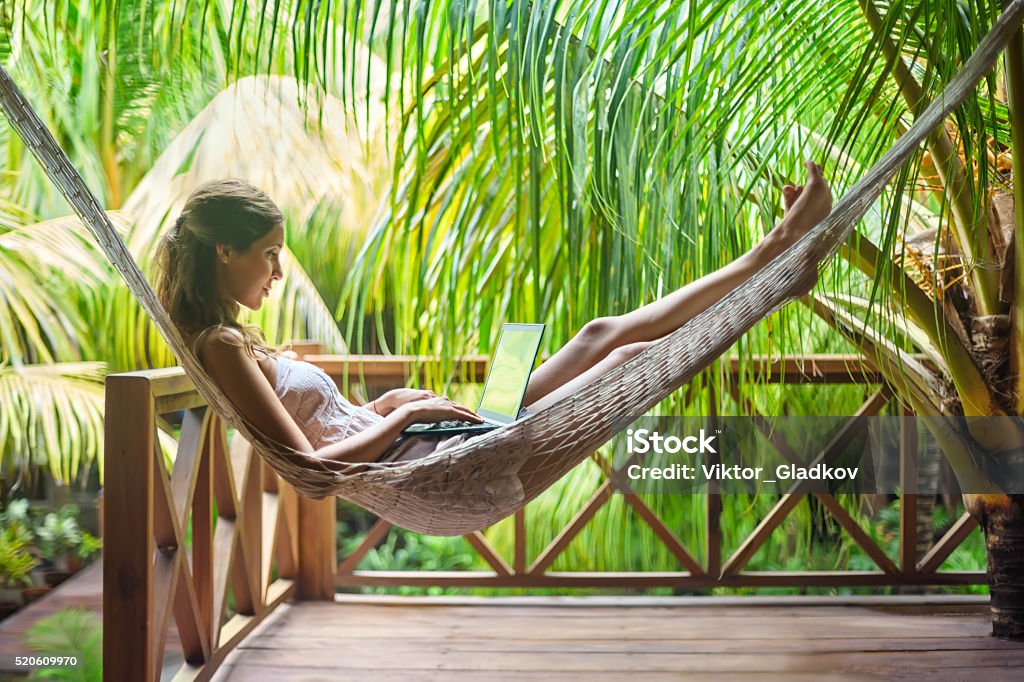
(453,424)
(447,424)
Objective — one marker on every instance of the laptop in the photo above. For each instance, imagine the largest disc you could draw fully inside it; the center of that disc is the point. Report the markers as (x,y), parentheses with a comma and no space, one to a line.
(504,386)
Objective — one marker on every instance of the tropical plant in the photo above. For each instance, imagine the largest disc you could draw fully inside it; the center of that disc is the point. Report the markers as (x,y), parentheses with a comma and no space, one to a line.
(60,537)
(16,520)
(15,560)
(70,632)
(599,155)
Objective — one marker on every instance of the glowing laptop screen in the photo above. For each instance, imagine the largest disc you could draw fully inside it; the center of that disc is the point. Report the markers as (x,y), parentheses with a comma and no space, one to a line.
(510,371)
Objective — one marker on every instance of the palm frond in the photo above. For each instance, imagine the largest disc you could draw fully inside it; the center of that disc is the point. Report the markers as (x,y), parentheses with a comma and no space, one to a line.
(51,415)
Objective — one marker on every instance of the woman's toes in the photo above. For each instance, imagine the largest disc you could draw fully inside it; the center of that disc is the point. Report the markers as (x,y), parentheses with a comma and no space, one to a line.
(787,197)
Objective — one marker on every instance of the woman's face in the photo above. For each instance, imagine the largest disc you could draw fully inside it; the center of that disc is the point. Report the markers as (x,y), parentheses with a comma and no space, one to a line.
(247,277)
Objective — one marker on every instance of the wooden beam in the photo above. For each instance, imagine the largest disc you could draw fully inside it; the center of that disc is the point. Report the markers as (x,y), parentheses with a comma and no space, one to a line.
(128,545)
(963,527)
(853,529)
(203,557)
(233,633)
(485,550)
(378,531)
(785,505)
(663,532)
(171,383)
(318,554)
(651,579)
(519,542)
(908,490)
(847,522)
(562,540)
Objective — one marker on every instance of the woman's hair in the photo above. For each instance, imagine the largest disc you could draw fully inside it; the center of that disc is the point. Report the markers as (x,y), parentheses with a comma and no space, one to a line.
(228,211)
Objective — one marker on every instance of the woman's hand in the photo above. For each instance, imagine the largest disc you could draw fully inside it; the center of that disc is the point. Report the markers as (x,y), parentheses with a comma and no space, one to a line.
(391,400)
(438,409)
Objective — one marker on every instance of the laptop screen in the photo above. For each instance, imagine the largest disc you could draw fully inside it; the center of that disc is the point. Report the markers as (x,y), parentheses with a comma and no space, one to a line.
(510,371)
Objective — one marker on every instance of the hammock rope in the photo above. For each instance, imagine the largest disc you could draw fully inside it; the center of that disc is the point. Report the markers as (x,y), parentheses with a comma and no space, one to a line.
(484,479)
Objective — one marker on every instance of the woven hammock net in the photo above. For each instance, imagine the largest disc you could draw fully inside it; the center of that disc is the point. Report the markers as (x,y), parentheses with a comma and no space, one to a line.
(489,477)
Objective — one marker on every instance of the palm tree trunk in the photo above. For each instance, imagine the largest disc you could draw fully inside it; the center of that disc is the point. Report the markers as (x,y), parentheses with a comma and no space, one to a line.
(1015,259)
(1002,519)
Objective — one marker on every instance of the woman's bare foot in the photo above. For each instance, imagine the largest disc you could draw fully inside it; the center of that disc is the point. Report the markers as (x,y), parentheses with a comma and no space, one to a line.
(803,207)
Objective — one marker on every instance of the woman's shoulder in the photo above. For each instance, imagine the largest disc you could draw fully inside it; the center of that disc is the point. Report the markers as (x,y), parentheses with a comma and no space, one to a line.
(217,339)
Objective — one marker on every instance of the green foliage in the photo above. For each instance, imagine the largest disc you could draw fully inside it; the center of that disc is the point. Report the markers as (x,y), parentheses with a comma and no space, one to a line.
(15,560)
(69,632)
(406,551)
(61,537)
(17,520)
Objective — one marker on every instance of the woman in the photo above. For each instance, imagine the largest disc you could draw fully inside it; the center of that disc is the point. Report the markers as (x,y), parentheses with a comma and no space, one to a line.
(224,253)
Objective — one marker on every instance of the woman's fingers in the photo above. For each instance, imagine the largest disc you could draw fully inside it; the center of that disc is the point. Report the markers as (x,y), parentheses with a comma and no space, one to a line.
(467,413)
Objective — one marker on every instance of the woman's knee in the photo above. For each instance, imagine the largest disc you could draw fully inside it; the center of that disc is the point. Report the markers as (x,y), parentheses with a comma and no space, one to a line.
(601,332)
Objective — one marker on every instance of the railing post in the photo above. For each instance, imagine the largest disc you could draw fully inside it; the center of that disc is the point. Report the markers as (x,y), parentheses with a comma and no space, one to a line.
(128,457)
(318,555)
(318,551)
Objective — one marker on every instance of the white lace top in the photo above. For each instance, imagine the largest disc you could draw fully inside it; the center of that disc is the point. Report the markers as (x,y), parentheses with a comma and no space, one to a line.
(317,406)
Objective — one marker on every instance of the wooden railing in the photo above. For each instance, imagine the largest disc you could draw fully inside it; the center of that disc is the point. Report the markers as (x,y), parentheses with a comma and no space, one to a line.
(251,532)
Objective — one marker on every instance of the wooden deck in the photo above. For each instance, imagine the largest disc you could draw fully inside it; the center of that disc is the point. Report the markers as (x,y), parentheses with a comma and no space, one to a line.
(618,638)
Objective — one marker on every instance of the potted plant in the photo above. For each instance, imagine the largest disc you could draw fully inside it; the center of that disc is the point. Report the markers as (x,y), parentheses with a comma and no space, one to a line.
(15,564)
(16,519)
(63,542)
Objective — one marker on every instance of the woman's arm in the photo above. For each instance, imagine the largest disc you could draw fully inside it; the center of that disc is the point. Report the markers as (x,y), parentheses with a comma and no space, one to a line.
(239,376)
(370,444)
(395,398)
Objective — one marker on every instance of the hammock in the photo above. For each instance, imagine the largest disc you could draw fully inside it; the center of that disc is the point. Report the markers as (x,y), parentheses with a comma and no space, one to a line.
(483,480)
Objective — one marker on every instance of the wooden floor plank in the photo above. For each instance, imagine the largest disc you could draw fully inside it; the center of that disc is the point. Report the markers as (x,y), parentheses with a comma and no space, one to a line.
(629,663)
(291,642)
(279,673)
(566,641)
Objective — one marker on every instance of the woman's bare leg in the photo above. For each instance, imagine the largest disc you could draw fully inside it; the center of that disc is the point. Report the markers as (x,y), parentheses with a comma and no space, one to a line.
(805,207)
(609,362)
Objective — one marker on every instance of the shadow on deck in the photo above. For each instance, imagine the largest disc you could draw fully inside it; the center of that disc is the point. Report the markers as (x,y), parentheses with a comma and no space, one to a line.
(615,638)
